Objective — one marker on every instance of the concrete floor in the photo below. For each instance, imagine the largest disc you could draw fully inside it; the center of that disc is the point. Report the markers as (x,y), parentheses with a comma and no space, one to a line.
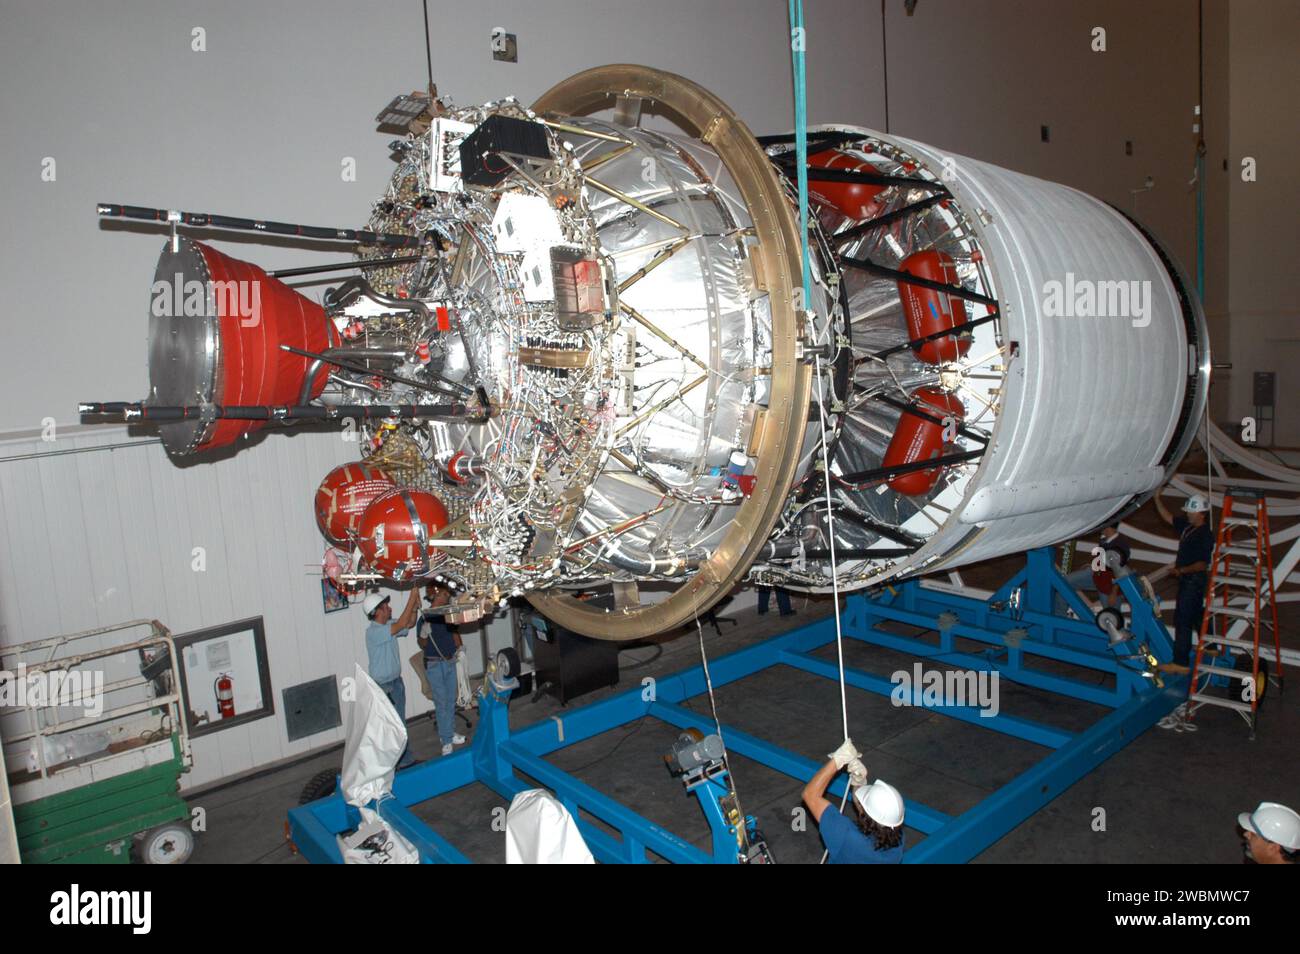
(1168,797)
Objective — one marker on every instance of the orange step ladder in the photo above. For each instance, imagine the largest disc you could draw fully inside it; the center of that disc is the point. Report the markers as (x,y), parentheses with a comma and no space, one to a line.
(1242,566)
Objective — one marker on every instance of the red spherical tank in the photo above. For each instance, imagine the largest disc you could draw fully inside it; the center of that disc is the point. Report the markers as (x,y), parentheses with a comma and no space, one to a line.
(855,200)
(396,532)
(920,436)
(929,312)
(344,495)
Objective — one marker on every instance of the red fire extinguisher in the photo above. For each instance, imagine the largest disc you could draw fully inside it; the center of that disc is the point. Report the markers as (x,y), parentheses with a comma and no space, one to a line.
(225,689)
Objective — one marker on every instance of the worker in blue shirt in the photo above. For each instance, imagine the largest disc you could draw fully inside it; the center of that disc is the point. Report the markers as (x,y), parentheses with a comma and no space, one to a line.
(875,836)
(381,646)
(1195,553)
(440,643)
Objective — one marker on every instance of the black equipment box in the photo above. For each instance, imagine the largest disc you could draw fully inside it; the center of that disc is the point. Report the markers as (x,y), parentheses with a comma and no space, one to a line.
(1265,387)
(569,665)
(480,163)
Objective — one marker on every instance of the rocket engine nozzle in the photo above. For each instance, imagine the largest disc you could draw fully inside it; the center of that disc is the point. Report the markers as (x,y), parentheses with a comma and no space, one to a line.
(216,326)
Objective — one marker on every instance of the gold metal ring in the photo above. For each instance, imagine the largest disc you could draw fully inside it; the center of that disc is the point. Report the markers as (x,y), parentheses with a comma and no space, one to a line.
(701,114)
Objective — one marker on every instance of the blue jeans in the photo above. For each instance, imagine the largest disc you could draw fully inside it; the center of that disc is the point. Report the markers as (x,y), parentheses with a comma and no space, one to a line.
(396,693)
(1189,612)
(782,599)
(442,683)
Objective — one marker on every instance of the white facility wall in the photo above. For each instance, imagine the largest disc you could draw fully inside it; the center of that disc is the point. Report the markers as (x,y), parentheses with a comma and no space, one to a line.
(1264,319)
(105,536)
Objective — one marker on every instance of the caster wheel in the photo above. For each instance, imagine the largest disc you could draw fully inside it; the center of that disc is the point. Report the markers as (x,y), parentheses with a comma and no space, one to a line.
(169,844)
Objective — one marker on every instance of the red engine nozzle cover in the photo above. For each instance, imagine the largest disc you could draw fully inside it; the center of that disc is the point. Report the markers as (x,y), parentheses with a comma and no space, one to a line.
(216,326)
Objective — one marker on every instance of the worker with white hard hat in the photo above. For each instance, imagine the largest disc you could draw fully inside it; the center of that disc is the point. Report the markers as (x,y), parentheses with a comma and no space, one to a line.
(381,646)
(876,835)
(1195,553)
(1272,834)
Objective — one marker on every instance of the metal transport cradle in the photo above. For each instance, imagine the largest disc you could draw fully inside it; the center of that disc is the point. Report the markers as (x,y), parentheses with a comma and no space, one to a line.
(1019,637)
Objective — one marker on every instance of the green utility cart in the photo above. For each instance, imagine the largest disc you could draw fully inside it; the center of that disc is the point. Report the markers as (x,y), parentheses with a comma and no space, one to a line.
(94,746)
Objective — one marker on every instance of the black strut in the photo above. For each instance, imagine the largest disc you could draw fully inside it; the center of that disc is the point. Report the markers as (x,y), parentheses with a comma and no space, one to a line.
(162,413)
(956,291)
(889,218)
(887,473)
(953,332)
(916,410)
(209,220)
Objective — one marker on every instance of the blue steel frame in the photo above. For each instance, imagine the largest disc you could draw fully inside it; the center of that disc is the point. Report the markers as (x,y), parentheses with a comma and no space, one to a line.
(1016,624)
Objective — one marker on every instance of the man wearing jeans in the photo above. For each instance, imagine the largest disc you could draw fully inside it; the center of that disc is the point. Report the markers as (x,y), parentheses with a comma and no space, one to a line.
(440,643)
(1195,554)
(782,600)
(381,646)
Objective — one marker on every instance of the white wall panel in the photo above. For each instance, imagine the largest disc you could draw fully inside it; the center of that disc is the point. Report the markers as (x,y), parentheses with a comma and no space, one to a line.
(103,536)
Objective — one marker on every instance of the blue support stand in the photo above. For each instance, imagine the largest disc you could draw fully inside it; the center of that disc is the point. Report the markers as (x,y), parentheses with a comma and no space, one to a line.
(1015,626)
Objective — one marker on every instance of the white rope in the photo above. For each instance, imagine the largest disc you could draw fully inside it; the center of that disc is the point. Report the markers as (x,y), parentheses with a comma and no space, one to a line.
(708,681)
(835,573)
(717,725)
(830,530)
(1209,467)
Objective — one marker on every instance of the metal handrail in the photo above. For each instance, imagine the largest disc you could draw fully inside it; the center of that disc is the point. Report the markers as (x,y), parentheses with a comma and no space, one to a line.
(160,636)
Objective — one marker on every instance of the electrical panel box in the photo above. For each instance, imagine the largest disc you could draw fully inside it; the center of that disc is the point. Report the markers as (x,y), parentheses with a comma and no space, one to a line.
(524,222)
(528,224)
(480,152)
(311,707)
(1265,388)
(579,286)
(445,140)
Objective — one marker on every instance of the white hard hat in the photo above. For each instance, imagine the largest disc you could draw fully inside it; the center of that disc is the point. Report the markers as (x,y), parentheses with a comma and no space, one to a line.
(1196,503)
(1274,822)
(881,802)
(372,603)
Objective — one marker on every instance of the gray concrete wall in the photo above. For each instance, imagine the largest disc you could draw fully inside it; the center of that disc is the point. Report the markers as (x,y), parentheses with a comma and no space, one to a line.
(1264,240)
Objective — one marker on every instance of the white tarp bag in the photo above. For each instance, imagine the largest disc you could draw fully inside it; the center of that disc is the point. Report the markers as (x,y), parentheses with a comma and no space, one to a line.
(375,843)
(373,743)
(540,831)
